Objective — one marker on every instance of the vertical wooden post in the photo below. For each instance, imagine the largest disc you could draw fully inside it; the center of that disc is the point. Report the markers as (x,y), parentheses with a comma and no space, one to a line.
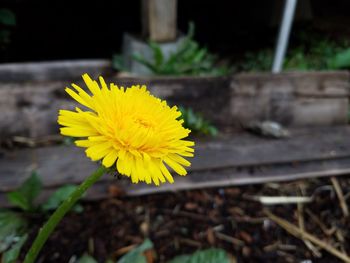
(159,20)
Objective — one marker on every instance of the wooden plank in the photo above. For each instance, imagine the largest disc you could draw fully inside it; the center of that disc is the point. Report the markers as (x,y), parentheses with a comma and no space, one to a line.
(159,19)
(67,71)
(322,111)
(320,84)
(61,164)
(247,150)
(293,99)
(249,175)
(108,186)
(30,108)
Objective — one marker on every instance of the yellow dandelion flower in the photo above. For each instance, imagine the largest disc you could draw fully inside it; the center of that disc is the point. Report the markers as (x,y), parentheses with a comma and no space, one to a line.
(129,128)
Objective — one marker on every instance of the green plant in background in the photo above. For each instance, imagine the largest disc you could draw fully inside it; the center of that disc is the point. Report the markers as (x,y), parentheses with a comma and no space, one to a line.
(189,59)
(13,234)
(118,62)
(314,53)
(197,123)
(138,255)
(257,61)
(341,60)
(7,21)
(15,224)
(68,141)
(317,57)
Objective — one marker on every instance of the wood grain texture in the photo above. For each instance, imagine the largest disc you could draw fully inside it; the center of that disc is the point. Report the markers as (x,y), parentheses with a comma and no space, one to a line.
(228,160)
(30,108)
(159,20)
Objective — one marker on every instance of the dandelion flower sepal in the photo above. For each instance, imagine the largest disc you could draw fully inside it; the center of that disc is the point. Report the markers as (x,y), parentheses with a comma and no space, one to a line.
(60,212)
(129,130)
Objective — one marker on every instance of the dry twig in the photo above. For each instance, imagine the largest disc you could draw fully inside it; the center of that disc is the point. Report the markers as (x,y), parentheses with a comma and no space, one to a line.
(233,240)
(280,200)
(327,231)
(34,142)
(340,195)
(298,233)
(124,250)
(308,244)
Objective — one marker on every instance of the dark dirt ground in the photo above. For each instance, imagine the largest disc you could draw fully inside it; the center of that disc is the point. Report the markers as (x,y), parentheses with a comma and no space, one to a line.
(227,218)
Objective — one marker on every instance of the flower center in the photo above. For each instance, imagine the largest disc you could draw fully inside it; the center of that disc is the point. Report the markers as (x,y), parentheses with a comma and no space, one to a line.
(144,123)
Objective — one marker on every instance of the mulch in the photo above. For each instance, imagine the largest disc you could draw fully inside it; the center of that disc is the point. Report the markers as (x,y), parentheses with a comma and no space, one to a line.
(228,218)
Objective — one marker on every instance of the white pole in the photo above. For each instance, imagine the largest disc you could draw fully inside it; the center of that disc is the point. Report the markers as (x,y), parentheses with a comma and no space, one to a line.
(283,36)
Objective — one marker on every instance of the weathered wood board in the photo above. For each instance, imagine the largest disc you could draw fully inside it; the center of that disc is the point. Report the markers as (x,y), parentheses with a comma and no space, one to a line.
(159,19)
(291,98)
(29,108)
(241,159)
(53,70)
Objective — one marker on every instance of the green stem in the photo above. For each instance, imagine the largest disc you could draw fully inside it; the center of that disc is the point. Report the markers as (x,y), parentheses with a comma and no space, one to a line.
(56,217)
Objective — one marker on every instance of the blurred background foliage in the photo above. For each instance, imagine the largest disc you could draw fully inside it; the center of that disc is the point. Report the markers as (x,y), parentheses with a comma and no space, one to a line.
(7,23)
(96,31)
(313,52)
(189,59)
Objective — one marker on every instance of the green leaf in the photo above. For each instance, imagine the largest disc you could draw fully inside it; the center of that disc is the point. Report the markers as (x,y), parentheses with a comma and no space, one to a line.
(59,196)
(211,255)
(200,55)
(340,60)
(191,117)
(191,29)
(137,254)
(212,131)
(86,259)
(139,58)
(157,54)
(32,187)
(25,195)
(188,59)
(11,255)
(68,140)
(17,199)
(12,225)
(7,17)
(197,123)
(118,62)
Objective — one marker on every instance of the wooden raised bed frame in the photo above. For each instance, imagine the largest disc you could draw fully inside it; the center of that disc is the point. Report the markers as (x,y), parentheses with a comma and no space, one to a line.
(31,94)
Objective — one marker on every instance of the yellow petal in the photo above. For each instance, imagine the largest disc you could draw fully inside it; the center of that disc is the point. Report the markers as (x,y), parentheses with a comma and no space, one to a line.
(175,166)
(92,85)
(84,143)
(110,158)
(103,83)
(186,154)
(86,97)
(166,173)
(121,166)
(133,173)
(77,132)
(179,159)
(124,163)
(98,151)
(156,172)
(77,97)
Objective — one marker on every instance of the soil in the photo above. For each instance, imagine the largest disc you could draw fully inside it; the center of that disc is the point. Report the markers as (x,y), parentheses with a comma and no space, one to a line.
(227,218)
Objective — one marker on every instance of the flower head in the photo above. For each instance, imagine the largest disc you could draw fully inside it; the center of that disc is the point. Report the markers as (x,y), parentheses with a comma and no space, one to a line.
(129,128)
